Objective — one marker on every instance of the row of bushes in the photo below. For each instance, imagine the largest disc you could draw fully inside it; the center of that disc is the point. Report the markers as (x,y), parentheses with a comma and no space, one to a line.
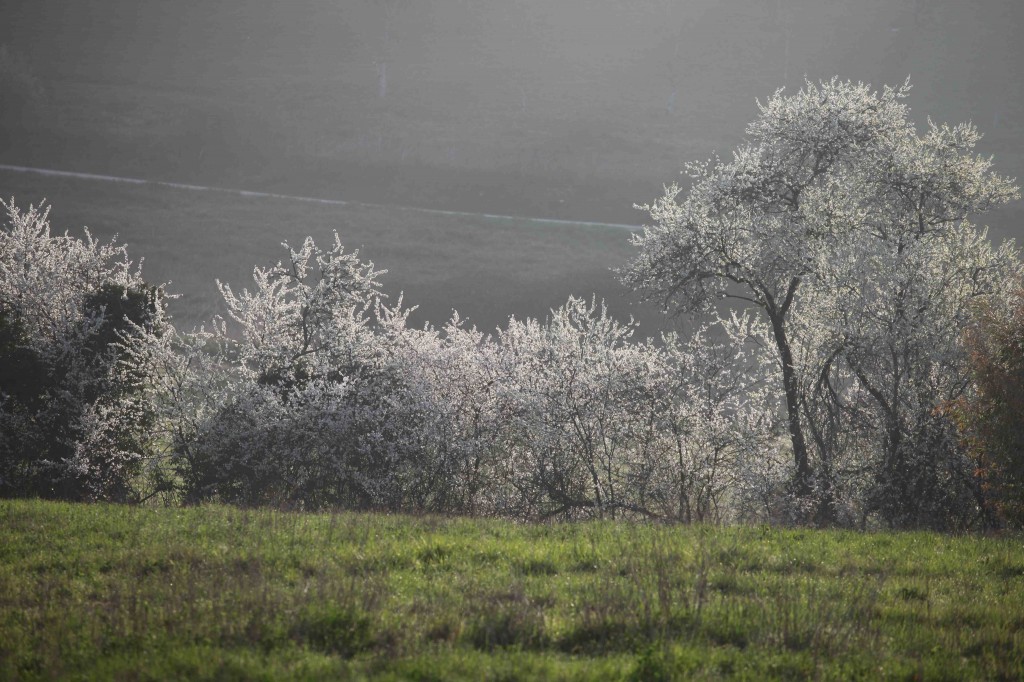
(317,393)
(320,394)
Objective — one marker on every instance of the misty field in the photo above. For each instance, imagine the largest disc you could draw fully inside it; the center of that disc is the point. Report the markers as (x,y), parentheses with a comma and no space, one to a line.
(100,591)
(486,268)
(572,109)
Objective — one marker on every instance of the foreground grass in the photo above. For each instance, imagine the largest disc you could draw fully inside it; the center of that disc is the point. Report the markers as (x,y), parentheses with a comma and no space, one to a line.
(96,591)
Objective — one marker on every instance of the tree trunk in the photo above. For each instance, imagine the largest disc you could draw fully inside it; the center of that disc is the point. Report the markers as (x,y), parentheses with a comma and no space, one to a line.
(789,381)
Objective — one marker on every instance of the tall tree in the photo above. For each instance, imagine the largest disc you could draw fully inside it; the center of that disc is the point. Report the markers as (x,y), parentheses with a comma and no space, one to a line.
(845,229)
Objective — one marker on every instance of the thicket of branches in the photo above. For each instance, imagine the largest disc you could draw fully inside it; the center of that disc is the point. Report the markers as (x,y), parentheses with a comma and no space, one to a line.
(317,392)
(840,371)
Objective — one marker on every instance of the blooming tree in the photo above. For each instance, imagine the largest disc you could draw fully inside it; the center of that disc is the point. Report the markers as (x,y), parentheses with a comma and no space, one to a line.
(845,229)
(286,417)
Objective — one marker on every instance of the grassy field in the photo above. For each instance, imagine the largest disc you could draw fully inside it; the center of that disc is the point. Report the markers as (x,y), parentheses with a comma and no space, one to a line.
(485,268)
(114,592)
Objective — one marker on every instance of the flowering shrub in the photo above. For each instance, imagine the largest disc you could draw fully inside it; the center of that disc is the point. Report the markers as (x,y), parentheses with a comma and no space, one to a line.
(74,420)
(599,425)
(320,394)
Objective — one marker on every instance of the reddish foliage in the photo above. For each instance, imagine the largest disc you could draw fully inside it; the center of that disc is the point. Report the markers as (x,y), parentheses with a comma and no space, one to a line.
(991,420)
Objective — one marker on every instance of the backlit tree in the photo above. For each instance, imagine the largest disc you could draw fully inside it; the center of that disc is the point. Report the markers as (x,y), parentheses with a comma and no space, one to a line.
(845,229)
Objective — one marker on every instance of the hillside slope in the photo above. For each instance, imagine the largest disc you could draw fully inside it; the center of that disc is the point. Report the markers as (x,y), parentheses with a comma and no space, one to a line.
(573,109)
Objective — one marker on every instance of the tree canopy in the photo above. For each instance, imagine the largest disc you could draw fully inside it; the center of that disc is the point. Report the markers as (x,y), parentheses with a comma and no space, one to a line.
(847,230)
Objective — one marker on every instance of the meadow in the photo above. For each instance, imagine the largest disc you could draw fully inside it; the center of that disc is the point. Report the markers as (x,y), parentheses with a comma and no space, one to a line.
(127,592)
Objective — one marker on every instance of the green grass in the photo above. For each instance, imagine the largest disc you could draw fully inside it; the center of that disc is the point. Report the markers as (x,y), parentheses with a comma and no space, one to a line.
(487,269)
(97,591)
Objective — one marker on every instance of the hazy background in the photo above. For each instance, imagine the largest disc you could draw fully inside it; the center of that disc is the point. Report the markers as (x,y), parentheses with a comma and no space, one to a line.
(567,109)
